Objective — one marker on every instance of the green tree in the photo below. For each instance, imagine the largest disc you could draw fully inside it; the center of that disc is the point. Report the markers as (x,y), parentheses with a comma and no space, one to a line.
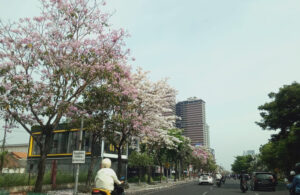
(2,159)
(140,161)
(257,164)
(282,154)
(210,166)
(181,156)
(283,112)
(242,163)
(98,101)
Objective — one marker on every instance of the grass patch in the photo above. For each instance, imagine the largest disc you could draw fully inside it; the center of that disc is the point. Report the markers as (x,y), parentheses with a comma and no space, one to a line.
(15,179)
(21,179)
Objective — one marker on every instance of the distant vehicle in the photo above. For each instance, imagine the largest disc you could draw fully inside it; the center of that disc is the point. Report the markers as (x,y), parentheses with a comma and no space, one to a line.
(263,180)
(206,179)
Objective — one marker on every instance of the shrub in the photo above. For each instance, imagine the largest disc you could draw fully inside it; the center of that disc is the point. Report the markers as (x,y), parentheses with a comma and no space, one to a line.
(134,179)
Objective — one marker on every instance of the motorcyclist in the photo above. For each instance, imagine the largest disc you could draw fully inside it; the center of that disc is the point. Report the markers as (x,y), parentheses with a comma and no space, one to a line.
(290,180)
(243,181)
(218,178)
(291,176)
(295,185)
(106,177)
(223,179)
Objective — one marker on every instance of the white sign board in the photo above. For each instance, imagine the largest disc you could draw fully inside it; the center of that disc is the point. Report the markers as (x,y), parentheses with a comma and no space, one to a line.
(78,156)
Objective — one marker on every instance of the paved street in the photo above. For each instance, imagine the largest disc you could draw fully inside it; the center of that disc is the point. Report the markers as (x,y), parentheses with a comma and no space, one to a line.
(231,187)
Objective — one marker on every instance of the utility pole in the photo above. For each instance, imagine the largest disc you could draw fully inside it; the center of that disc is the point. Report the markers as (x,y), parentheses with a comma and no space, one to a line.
(2,154)
(77,165)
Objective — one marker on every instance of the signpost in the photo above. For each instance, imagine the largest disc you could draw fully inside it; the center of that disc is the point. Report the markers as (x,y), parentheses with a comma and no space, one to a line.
(78,157)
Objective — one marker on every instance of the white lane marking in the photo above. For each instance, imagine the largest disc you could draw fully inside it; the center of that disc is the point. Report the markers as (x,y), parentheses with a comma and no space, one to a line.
(204,193)
(256,194)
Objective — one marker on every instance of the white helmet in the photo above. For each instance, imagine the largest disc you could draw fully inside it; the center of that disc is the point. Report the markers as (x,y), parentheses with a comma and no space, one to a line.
(292,173)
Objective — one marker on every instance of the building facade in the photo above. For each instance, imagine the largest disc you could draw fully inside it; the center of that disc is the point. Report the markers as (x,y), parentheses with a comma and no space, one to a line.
(249,152)
(206,136)
(65,141)
(17,147)
(193,121)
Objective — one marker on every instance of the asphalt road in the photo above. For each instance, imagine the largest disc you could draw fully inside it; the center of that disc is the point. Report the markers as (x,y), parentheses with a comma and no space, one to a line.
(231,187)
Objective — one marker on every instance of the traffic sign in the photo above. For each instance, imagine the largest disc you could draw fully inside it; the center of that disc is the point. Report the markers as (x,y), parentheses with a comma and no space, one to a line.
(78,156)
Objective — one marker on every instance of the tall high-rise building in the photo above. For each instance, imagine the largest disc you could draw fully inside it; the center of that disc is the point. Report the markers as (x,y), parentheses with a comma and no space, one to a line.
(192,121)
(206,136)
(249,152)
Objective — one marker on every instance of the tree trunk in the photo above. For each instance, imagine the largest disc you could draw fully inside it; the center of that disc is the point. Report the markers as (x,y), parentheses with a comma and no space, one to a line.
(93,161)
(176,171)
(140,174)
(149,175)
(45,149)
(167,175)
(161,167)
(3,153)
(41,172)
(119,170)
(181,176)
(2,156)
(90,171)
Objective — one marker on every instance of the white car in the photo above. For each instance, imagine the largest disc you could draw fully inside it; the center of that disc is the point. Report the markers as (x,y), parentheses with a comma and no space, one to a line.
(206,179)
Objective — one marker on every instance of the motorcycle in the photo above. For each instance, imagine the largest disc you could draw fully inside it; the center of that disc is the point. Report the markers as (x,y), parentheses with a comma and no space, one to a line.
(244,186)
(100,191)
(118,189)
(219,181)
(223,179)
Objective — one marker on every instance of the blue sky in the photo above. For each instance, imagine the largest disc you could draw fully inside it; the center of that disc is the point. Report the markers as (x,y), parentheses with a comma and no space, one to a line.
(229,53)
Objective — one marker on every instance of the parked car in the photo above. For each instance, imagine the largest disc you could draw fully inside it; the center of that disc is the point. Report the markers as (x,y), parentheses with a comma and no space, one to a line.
(206,179)
(263,181)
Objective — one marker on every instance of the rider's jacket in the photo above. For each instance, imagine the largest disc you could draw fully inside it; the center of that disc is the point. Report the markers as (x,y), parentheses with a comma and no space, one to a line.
(105,179)
(295,184)
(218,176)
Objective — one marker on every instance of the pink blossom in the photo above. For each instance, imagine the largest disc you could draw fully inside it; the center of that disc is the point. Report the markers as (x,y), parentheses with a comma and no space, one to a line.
(39,19)
(7,86)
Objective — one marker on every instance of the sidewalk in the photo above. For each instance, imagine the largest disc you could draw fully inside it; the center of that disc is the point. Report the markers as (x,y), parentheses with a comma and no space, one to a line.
(134,188)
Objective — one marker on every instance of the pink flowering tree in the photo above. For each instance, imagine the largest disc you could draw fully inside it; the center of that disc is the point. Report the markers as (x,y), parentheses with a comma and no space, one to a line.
(202,158)
(46,63)
(139,111)
(98,102)
(160,144)
(124,122)
(154,103)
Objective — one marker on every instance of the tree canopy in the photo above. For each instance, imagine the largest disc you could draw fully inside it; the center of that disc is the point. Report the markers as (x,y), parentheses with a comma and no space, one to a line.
(242,163)
(283,112)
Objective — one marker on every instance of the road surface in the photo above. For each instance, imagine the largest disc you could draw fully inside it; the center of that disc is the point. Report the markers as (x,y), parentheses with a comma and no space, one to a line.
(231,187)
